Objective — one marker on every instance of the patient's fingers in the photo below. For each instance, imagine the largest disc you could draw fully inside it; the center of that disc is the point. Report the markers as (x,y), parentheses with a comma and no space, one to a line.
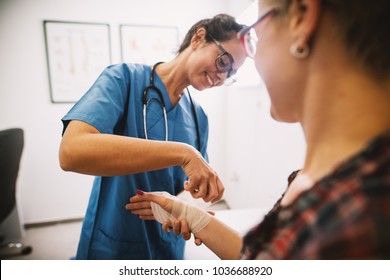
(143,212)
(211,213)
(166,226)
(138,205)
(176,227)
(197,241)
(164,202)
(147,217)
(181,227)
(185,231)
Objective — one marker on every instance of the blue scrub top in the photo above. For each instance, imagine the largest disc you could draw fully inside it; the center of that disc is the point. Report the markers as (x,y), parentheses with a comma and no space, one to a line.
(109,231)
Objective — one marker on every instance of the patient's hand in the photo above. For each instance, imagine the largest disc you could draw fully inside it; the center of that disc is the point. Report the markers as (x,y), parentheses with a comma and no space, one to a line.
(178,227)
(181,227)
(141,205)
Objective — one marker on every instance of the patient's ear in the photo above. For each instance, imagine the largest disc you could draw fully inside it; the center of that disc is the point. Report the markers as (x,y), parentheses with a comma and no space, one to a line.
(304,18)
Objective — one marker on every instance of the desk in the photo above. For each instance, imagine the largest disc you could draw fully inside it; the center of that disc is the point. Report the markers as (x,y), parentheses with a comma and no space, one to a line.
(241,220)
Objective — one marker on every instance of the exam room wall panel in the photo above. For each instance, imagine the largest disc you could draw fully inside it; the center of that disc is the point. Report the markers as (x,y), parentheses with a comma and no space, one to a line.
(261,153)
(45,192)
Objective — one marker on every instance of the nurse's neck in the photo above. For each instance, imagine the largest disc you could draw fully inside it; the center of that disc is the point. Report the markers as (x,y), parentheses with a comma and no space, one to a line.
(171,74)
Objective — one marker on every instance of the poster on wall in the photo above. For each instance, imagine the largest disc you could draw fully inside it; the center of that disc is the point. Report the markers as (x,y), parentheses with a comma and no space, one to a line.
(76,53)
(148,44)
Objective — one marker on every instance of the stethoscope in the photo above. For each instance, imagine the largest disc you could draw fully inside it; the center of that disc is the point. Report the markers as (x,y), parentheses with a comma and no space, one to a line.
(145,102)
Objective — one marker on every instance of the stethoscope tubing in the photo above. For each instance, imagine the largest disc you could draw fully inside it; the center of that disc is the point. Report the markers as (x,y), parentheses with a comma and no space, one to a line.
(145,102)
(165,120)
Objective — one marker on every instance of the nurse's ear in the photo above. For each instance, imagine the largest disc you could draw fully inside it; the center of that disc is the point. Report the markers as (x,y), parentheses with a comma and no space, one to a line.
(199,38)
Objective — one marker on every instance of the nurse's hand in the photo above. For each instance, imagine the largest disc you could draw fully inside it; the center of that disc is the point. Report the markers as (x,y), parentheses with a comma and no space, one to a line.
(203,182)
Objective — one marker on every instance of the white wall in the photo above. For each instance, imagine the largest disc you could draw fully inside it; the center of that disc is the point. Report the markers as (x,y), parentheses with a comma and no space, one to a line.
(260,152)
(247,148)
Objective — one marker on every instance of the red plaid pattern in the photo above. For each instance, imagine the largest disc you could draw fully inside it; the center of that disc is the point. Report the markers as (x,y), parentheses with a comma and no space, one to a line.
(345,215)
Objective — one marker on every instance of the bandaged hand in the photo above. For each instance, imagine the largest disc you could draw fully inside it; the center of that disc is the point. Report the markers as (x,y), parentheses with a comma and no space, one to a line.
(166,207)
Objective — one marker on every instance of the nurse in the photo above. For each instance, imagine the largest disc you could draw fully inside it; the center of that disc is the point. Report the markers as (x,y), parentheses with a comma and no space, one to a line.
(108,134)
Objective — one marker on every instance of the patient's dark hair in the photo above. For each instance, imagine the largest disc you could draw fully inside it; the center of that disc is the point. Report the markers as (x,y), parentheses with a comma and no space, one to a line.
(221,27)
(364,27)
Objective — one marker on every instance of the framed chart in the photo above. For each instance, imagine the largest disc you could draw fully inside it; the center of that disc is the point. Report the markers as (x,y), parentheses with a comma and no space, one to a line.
(148,44)
(76,53)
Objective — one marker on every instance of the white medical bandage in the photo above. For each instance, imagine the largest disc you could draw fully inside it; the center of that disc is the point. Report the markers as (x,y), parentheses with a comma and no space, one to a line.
(196,218)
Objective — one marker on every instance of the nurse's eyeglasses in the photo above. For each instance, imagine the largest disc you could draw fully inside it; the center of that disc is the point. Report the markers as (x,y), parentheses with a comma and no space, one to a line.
(224,63)
(246,35)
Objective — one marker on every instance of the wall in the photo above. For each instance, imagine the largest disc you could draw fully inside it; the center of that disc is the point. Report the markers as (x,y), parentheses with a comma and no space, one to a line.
(260,152)
(45,192)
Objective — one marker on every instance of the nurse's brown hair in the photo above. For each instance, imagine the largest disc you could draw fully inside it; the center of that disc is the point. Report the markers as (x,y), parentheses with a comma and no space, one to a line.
(221,27)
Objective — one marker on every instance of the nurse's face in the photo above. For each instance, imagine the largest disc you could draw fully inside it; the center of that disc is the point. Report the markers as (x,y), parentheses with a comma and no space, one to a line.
(214,61)
(276,65)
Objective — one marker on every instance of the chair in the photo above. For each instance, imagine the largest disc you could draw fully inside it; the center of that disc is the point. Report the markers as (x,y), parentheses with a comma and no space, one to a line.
(11,147)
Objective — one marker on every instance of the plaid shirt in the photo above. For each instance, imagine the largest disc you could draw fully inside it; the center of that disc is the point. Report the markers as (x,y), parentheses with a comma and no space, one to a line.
(345,215)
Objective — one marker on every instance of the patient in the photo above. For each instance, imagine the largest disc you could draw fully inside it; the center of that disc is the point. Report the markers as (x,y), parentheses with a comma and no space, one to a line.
(326,65)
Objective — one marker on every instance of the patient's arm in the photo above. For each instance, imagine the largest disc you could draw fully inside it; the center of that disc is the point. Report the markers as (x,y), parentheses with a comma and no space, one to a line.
(224,241)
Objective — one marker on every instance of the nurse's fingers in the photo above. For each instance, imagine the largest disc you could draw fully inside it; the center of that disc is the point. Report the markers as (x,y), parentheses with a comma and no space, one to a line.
(196,193)
(211,192)
(215,191)
(197,189)
(220,192)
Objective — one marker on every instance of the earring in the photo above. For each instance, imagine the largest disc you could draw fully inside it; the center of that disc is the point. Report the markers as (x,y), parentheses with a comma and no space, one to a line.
(298,51)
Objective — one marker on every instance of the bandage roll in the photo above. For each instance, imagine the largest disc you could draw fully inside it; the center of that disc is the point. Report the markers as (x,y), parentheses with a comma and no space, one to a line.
(196,218)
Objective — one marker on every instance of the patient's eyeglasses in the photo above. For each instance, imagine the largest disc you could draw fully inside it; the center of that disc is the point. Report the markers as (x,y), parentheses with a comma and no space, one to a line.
(246,35)
(224,63)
